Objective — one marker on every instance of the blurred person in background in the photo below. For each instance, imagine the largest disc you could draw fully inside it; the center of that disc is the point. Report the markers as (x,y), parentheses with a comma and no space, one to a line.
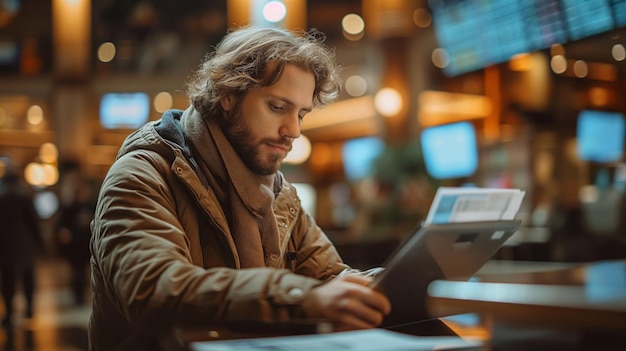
(20,243)
(196,224)
(73,234)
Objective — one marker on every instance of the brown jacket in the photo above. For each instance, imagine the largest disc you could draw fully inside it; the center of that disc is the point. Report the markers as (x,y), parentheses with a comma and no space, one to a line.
(162,254)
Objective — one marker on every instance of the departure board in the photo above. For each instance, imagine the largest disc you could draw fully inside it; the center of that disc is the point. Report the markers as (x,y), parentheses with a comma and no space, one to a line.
(478,33)
(619,12)
(475,36)
(587,17)
(544,25)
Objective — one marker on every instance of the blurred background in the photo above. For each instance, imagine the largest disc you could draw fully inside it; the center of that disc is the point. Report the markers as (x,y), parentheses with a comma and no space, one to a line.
(506,94)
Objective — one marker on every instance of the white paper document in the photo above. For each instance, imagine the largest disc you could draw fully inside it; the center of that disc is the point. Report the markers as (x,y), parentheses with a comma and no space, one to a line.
(361,340)
(453,205)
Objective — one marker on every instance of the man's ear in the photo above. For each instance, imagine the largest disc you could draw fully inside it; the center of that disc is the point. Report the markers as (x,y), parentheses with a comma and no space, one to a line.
(227,103)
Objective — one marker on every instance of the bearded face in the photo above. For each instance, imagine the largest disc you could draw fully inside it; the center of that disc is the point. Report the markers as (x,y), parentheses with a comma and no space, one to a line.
(262,124)
(254,149)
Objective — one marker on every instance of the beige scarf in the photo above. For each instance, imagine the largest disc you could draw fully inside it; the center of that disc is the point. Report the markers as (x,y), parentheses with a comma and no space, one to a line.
(245,197)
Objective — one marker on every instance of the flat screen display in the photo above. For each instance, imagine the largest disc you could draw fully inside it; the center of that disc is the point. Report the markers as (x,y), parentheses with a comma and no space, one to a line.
(358,156)
(124,110)
(478,33)
(600,136)
(450,151)
(586,18)
(619,12)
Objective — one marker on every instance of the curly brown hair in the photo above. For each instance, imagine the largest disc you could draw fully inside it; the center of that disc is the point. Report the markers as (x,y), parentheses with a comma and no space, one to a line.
(249,57)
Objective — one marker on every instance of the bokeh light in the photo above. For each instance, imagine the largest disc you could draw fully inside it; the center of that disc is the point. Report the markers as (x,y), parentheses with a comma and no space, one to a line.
(580,69)
(300,152)
(352,24)
(40,174)
(274,11)
(618,52)
(106,52)
(440,58)
(388,102)
(163,101)
(558,63)
(353,27)
(422,18)
(34,116)
(48,153)
(355,86)
(557,49)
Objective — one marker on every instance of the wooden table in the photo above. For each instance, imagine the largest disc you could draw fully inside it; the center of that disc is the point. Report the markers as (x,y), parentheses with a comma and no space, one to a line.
(586,302)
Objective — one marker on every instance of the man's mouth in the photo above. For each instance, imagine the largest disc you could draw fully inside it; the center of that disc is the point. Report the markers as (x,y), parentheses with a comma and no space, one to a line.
(280,147)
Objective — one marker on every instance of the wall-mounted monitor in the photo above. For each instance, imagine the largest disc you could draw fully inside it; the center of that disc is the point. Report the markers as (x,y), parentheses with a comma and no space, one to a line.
(358,156)
(584,18)
(476,34)
(450,150)
(600,136)
(124,110)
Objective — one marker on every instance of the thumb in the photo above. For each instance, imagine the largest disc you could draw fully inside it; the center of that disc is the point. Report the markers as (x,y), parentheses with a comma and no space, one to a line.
(357,279)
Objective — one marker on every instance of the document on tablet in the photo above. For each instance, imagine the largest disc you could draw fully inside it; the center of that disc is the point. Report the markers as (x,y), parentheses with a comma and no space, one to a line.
(455,205)
(361,340)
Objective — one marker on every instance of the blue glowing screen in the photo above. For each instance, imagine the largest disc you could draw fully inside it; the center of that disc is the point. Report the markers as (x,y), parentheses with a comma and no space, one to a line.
(358,156)
(124,110)
(450,151)
(600,136)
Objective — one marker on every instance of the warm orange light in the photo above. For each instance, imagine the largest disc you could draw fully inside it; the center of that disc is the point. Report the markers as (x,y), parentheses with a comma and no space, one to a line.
(599,96)
(300,152)
(349,110)
(48,153)
(388,102)
(439,107)
(71,31)
(41,175)
(521,62)
(558,63)
(580,69)
(352,24)
(422,18)
(162,102)
(34,115)
(243,12)
(106,52)
(321,156)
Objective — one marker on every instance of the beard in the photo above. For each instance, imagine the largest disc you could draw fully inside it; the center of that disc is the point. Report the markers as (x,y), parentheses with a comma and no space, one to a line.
(242,139)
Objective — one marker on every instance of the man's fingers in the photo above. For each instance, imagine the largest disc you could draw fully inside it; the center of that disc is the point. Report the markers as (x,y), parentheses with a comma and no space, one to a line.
(356,309)
(370,297)
(348,302)
(357,278)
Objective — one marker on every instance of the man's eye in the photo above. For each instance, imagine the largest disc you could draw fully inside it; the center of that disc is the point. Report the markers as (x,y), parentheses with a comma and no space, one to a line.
(277,108)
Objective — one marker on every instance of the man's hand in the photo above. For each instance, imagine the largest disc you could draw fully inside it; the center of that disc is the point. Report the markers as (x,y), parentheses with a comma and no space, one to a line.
(348,303)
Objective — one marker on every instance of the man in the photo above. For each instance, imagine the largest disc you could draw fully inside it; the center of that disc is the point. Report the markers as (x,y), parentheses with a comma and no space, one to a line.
(20,243)
(195,223)
(73,232)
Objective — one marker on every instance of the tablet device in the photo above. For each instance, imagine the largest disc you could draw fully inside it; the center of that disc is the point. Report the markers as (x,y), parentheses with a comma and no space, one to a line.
(453,251)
